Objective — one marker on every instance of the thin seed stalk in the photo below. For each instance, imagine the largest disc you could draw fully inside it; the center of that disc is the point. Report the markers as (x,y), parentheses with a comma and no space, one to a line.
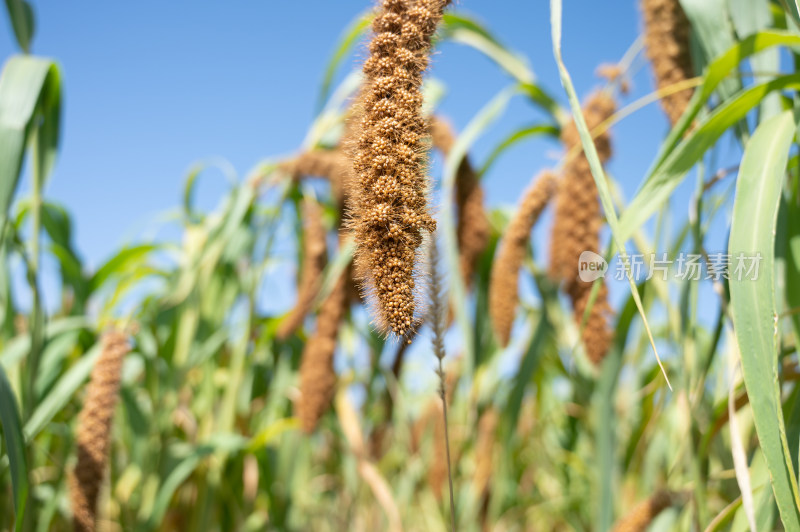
(437,324)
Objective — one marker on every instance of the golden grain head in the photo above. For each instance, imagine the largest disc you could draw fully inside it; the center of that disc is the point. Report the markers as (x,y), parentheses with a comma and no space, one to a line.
(317,375)
(667,44)
(390,212)
(578,216)
(93,437)
(314,258)
(504,281)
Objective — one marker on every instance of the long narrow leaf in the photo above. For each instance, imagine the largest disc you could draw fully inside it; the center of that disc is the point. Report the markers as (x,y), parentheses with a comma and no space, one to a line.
(755,213)
(15,445)
(668,176)
(21,15)
(24,82)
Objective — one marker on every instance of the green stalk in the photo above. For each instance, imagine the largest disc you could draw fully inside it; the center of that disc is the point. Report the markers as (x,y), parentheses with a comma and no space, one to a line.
(36,318)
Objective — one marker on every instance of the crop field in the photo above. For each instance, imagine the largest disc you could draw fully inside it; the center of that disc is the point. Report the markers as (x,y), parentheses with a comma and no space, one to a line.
(603,353)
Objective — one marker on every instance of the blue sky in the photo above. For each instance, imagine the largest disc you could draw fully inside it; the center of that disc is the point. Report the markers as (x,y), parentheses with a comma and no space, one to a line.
(152,87)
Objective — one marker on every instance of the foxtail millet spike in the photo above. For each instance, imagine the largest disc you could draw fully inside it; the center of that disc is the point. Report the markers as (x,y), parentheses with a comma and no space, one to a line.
(667,45)
(318,163)
(576,227)
(93,438)
(640,517)
(597,335)
(504,280)
(472,229)
(314,258)
(333,165)
(578,217)
(317,376)
(389,211)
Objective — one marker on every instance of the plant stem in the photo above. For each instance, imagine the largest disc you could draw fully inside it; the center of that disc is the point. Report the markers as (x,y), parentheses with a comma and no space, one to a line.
(436,319)
(447,445)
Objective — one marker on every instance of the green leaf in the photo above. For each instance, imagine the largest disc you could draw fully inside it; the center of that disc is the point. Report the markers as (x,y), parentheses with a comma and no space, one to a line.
(748,17)
(669,175)
(755,211)
(352,34)
(793,263)
(334,270)
(7,310)
(716,72)
(15,446)
(120,263)
(793,8)
(17,348)
(21,15)
(712,29)
(225,442)
(516,137)
(49,129)
(530,361)
(62,392)
(222,165)
(604,412)
(467,31)
(24,83)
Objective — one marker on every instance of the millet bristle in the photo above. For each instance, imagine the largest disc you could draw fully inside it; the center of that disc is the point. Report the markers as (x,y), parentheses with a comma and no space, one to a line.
(577,224)
(666,40)
(643,513)
(390,212)
(473,227)
(94,431)
(503,283)
(317,376)
(314,258)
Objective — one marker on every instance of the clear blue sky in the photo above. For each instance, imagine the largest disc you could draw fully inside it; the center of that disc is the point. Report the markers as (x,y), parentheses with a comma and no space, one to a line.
(151,87)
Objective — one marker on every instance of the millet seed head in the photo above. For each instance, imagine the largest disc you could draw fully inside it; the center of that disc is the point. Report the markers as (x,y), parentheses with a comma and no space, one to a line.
(389,213)
(577,224)
(93,438)
(667,45)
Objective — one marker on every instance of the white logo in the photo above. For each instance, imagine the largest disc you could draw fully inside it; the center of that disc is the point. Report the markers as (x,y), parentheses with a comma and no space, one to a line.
(591,266)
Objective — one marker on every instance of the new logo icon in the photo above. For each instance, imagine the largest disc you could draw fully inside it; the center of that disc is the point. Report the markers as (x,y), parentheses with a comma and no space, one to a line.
(591,266)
